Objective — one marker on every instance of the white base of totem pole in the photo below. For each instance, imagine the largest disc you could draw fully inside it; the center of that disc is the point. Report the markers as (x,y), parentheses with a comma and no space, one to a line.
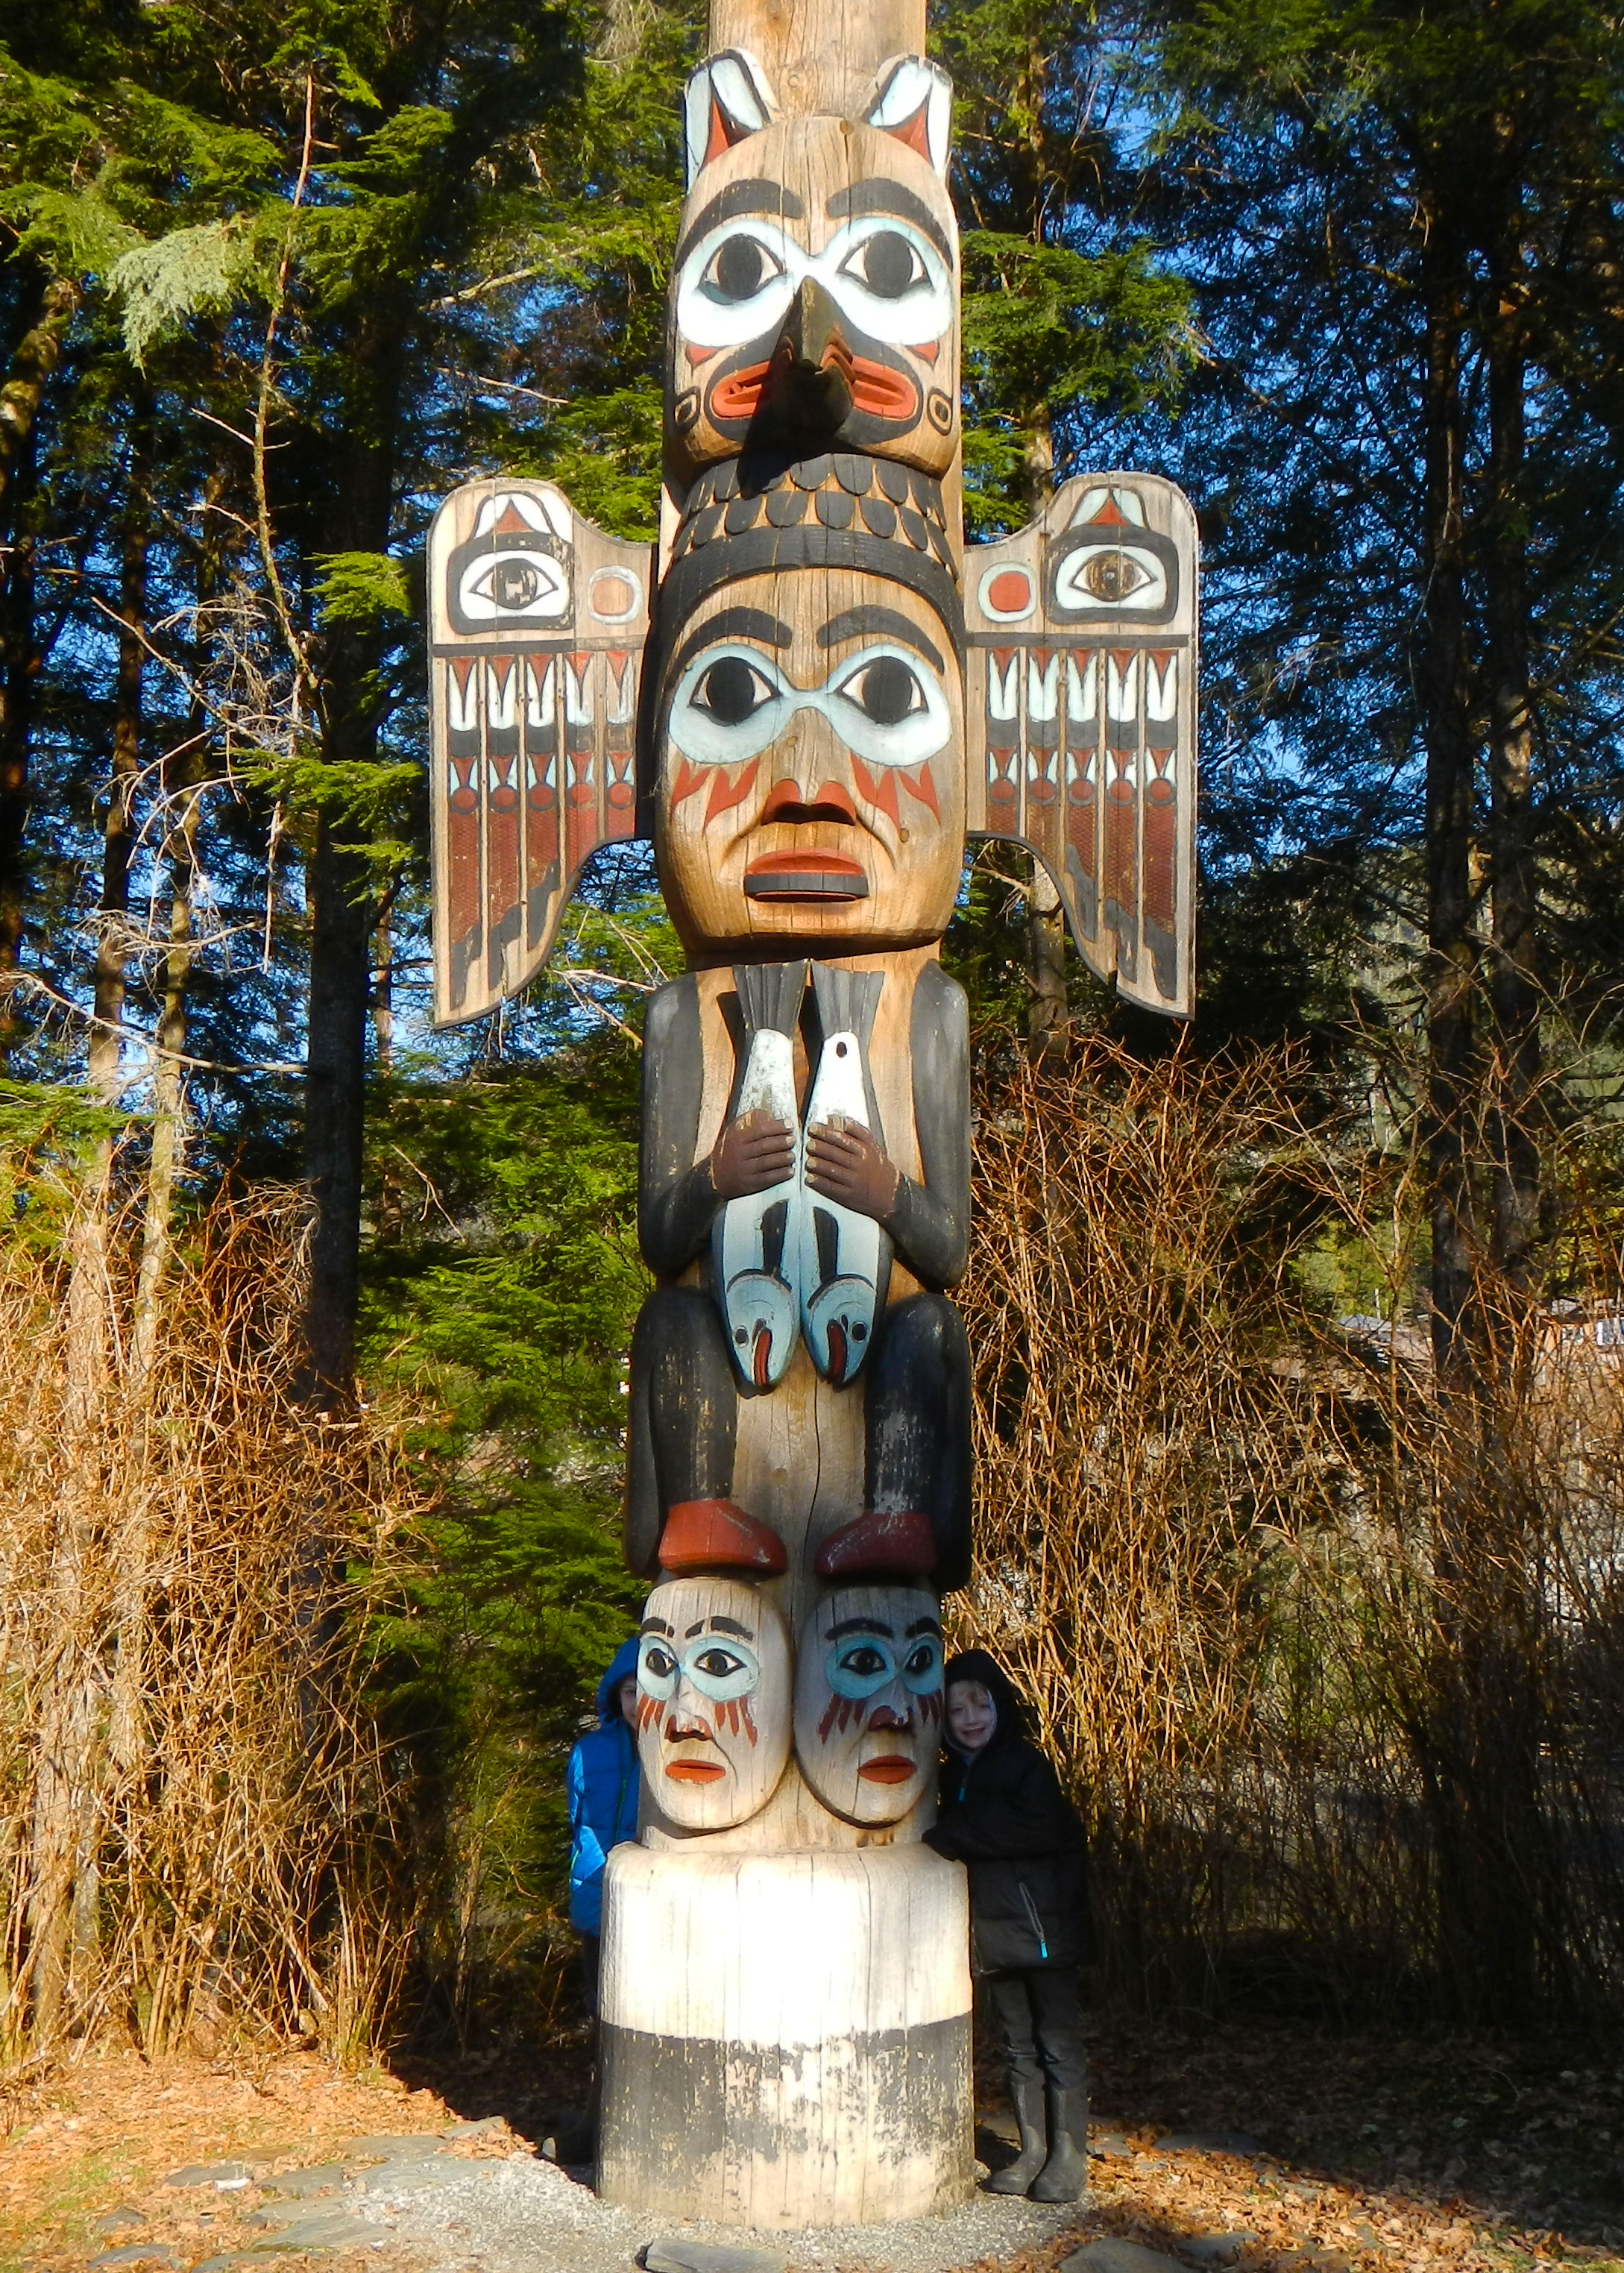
(786,2037)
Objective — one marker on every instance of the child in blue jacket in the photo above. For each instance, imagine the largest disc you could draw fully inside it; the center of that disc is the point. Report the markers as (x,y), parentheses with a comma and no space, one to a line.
(602,1784)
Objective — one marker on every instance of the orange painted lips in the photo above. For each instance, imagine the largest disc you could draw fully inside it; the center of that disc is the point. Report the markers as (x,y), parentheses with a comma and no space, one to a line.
(877,391)
(892,1768)
(812,875)
(695,1770)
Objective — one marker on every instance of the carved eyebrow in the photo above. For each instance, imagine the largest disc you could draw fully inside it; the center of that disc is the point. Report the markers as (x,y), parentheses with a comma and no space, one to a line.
(883,196)
(867,622)
(766,201)
(654,1626)
(732,623)
(922,1626)
(732,1627)
(861,1625)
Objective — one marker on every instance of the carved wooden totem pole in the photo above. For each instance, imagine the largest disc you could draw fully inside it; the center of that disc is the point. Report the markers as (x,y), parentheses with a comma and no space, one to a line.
(807,696)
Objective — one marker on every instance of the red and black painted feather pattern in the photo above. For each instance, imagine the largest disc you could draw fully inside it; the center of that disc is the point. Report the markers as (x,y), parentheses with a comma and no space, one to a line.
(1080,718)
(540,622)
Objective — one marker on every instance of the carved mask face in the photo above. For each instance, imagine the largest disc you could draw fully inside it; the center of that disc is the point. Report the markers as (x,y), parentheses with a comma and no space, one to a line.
(812,765)
(868,1701)
(713,1707)
(814,301)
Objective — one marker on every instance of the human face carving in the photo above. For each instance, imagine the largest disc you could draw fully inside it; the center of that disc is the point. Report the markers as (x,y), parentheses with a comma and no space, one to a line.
(811,784)
(815,301)
(868,1701)
(713,1708)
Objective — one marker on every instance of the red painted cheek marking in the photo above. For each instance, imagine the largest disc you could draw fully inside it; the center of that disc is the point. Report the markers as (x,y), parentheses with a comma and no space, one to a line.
(922,784)
(647,1713)
(724,797)
(688,779)
(749,1719)
(928,352)
(931,1707)
(881,792)
(828,1721)
(699,356)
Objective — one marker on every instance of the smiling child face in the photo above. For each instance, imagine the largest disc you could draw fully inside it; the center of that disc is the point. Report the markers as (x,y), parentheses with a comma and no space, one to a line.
(812,770)
(713,1707)
(868,1701)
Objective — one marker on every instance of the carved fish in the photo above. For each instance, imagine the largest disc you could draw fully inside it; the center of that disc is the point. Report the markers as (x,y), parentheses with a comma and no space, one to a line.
(844,1257)
(756,1240)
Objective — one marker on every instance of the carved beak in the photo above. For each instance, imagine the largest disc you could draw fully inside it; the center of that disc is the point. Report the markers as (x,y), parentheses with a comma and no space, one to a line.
(809,381)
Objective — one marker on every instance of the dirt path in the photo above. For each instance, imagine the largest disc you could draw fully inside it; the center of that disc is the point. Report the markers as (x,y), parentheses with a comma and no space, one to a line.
(1278,2151)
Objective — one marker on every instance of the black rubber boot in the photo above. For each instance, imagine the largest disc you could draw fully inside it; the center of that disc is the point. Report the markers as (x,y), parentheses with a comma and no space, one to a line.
(1016,2178)
(1064,2176)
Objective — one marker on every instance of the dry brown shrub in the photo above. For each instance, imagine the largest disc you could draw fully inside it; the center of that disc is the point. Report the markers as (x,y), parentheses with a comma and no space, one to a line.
(196,1827)
(1247,1561)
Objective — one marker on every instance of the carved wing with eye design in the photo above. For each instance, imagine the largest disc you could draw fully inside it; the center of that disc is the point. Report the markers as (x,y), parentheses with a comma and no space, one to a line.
(539,625)
(1080,718)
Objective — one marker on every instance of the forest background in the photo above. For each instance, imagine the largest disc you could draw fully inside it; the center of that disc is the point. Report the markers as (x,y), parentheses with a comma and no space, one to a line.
(1297,1331)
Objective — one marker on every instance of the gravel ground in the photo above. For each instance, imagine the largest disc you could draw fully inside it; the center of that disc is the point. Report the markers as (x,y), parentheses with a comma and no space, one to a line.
(528,2216)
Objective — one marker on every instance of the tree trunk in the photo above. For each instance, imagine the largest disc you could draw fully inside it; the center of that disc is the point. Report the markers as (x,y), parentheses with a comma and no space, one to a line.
(19,672)
(341,890)
(34,358)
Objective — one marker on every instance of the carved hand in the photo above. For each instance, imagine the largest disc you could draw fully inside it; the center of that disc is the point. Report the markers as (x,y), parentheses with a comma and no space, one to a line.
(752,1155)
(845,1164)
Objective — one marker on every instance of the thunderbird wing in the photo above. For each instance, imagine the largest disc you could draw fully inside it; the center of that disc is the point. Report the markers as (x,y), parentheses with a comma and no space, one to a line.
(1080,719)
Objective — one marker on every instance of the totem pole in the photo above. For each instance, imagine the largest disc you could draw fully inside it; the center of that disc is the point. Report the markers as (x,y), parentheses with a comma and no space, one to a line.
(807,696)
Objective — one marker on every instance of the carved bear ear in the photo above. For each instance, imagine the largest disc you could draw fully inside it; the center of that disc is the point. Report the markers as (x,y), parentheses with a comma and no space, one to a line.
(729,97)
(913,100)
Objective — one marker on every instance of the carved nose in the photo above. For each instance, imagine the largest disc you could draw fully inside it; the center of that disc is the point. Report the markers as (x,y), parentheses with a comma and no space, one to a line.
(785,801)
(809,379)
(887,1717)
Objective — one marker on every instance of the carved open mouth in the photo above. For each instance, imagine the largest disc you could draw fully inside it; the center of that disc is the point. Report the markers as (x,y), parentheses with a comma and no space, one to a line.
(695,1770)
(812,875)
(891,1767)
(877,391)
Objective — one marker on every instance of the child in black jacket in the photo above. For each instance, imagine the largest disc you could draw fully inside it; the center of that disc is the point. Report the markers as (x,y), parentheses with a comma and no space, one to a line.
(1004,1815)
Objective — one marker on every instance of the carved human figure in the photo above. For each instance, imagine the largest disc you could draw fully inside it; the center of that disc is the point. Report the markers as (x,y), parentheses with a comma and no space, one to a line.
(714,1709)
(868,1701)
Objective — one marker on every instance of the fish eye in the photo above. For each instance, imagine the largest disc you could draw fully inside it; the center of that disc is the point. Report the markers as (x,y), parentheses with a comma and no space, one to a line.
(738,269)
(732,691)
(888,264)
(885,691)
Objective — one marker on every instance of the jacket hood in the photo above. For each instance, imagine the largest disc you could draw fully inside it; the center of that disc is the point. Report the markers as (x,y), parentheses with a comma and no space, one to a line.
(1010,1705)
(624,1661)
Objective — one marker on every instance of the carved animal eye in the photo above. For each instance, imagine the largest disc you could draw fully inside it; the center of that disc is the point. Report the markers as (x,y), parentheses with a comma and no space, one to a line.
(1113,575)
(513,583)
(737,270)
(732,691)
(885,691)
(1094,576)
(888,264)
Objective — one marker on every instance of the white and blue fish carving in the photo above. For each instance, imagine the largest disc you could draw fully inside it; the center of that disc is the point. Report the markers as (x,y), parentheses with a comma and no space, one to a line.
(844,1257)
(755,1241)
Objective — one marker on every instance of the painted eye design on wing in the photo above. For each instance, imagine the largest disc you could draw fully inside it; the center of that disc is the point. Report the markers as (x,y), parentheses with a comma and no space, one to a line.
(722,1669)
(922,1667)
(514,583)
(1095,576)
(859,1669)
(888,264)
(657,1669)
(738,269)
